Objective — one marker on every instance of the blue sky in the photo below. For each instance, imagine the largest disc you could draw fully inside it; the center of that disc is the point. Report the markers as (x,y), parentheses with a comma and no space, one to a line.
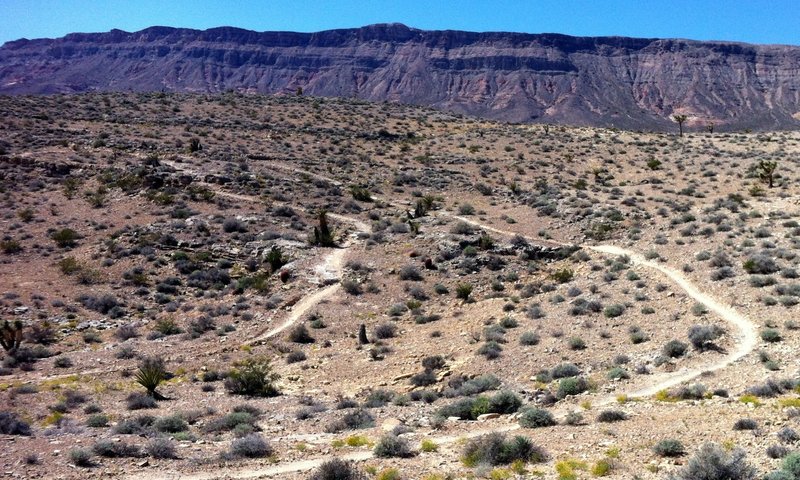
(755,21)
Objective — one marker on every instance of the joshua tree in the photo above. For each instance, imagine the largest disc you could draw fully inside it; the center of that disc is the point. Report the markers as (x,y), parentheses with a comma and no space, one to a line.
(11,336)
(680,119)
(710,128)
(362,335)
(766,172)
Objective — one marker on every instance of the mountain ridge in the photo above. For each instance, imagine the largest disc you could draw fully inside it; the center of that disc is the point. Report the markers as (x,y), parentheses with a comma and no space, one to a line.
(519,77)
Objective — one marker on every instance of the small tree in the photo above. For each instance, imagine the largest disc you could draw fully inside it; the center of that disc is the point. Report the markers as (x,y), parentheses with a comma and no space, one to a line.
(11,336)
(680,119)
(150,374)
(323,236)
(766,172)
(275,259)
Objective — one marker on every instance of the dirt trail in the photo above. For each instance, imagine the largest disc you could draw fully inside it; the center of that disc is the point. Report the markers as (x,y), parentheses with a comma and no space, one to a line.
(745,343)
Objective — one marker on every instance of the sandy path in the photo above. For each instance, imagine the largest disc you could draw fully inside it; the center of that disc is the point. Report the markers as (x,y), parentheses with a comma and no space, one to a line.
(745,343)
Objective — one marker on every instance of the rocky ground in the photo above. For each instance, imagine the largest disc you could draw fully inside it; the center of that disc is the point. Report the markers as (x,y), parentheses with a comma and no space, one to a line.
(464,277)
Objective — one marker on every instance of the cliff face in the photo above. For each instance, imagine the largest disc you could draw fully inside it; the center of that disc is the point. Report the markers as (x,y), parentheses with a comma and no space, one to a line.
(605,81)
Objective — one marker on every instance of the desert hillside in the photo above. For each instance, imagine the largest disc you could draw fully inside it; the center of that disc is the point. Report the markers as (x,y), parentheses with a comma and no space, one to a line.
(612,82)
(242,286)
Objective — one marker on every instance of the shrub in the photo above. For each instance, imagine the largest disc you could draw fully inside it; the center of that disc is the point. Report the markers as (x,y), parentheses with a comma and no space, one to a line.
(385,330)
(703,336)
(231,421)
(669,448)
(135,426)
(614,310)
(161,447)
(463,291)
(504,402)
(771,335)
(140,401)
(760,264)
(252,376)
(536,418)
(97,421)
(65,238)
(565,370)
(251,446)
(608,416)
(433,362)
(563,275)
(410,272)
(576,343)
(495,449)
(529,338)
(745,424)
(490,350)
(11,424)
(336,469)
(674,349)
(233,225)
(690,392)
(791,464)
(62,362)
(392,446)
(571,386)
(124,332)
(171,424)
(787,435)
(357,419)
(299,334)
(423,379)
(714,463)
(107,448)
(618,373)
(778,451)
(295,356)
(81,457)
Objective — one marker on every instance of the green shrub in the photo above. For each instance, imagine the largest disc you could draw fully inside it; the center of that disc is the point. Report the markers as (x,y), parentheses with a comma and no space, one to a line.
(252,376)
(251,446)
(536,418)
(495,449)
(713,462)
(392,446)
(571,386)
(669,448)
(81,457)
(614,310)
(65,238)
(771,335)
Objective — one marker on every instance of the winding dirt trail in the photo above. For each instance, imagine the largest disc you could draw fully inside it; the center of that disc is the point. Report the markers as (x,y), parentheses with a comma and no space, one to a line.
(746,341)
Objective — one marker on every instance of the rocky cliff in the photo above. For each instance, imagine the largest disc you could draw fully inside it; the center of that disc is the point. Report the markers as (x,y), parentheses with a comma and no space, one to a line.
(604,81)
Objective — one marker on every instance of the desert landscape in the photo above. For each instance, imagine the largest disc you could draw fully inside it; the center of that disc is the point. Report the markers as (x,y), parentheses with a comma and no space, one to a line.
(234,285)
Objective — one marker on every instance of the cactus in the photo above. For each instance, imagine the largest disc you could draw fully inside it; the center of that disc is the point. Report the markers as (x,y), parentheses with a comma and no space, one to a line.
(11,336)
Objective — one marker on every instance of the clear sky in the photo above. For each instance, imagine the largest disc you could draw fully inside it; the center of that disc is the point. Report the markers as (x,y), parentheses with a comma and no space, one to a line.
(755,21)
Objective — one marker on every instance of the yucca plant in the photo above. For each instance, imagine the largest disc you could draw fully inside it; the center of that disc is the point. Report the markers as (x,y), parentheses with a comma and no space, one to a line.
(150,374)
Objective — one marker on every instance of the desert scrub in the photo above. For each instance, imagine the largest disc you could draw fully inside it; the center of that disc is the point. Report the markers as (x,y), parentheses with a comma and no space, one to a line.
(251,446)
(252,376)
(714,462)
(337,469)
(669,448)
(533,417)
(392,446)
(495,449)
